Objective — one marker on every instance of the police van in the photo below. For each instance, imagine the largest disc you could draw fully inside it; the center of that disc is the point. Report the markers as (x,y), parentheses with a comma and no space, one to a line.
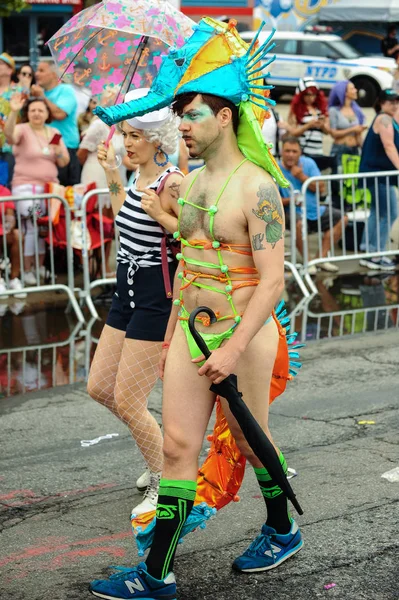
(327,58)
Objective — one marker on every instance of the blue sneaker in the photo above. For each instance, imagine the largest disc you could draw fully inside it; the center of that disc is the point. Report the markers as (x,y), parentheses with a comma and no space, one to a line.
(134,583)
(269,550)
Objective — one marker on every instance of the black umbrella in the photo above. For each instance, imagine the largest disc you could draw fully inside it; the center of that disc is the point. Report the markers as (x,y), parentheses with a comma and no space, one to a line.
(254,434)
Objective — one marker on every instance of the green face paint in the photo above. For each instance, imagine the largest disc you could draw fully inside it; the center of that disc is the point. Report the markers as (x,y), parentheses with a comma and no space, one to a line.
(197,114)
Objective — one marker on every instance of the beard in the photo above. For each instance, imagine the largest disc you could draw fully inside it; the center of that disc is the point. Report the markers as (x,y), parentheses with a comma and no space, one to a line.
(199,148)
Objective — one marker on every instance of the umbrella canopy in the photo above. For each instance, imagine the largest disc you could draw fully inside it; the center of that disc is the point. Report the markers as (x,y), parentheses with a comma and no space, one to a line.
(360,11)
(253,433)
(113,47)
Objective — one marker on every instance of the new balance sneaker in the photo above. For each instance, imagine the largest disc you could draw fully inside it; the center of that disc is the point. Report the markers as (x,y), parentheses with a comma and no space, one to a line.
(143,481)
(150,497)
(269,550)
(382,264)
(134,583)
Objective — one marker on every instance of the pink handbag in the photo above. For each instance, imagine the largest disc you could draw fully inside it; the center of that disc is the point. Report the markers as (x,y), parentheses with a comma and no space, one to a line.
(165,244)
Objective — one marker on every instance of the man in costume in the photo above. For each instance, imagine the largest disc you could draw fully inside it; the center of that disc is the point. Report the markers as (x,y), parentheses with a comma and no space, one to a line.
(231,228)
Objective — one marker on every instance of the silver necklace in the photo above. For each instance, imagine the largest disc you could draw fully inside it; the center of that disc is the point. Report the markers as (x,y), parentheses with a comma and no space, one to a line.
(45,149)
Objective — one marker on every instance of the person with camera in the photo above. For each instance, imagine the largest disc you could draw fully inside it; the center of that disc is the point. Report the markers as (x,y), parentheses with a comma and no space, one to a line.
(308,118)
(38,150)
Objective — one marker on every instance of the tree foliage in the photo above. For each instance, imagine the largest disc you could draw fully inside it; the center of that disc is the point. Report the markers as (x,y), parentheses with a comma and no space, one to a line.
(9,6)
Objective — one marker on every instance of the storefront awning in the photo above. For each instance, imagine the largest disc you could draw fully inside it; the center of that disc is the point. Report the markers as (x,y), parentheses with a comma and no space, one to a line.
(59,2)
(360,11)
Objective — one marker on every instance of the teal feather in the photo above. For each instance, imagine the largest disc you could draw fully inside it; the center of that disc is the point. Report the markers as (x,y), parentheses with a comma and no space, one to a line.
(266,63)
(262,87)
(264,76)
(262,106)
(253,57)
(292,337)
(281,313)
(280,305)
(296,364)
(259,55)
(255,38)
(259,96)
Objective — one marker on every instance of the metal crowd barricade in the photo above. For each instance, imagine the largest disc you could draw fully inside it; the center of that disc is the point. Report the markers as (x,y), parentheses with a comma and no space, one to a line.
(376,185)
(89,283)
(51,274)
(41,353)
(290,256)
(351,321)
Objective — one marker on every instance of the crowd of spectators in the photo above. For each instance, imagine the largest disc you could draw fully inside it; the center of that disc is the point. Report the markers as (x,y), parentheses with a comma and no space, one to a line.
(49,135)
(354,148)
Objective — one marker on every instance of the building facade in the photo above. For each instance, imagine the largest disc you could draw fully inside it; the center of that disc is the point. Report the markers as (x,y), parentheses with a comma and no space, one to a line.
(240,10)
(24,34)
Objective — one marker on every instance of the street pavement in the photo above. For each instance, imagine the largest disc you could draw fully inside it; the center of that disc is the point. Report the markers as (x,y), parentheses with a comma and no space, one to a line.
(65,508)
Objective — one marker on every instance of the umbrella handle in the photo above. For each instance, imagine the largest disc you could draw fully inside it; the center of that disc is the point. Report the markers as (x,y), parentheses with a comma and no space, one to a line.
(197,337)
(110,135)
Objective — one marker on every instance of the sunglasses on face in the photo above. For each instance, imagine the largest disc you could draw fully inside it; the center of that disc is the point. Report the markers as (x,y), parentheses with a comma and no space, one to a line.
(310,94)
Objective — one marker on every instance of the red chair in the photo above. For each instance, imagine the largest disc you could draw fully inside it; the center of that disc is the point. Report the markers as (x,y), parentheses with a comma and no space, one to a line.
(93,224)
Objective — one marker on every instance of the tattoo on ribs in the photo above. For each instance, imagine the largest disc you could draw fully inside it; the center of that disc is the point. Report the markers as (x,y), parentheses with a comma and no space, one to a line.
(114,188)
(269,209)
(174,190)
(257,241)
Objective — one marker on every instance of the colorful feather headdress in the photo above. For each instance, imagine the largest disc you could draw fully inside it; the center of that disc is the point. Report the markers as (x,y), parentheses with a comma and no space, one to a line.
(215,60)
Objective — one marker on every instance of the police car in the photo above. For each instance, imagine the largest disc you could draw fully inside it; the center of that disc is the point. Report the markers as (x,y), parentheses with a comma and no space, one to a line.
(327,58)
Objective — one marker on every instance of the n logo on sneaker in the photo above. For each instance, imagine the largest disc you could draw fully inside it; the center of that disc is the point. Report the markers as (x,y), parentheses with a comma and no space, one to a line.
(134,586)
(165,511)
(275,550)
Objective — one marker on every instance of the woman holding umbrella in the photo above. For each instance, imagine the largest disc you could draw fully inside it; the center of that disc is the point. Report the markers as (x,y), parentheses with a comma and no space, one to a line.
(125,365)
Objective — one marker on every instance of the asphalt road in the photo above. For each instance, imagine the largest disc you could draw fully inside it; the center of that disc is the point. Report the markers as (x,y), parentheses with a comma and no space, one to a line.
(65,508)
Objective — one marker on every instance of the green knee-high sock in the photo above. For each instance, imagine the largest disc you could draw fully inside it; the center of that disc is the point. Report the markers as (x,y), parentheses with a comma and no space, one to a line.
(278,516)
(175,501)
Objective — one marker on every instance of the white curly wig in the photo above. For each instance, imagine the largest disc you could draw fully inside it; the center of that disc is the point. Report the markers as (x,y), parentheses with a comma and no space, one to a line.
(166,136)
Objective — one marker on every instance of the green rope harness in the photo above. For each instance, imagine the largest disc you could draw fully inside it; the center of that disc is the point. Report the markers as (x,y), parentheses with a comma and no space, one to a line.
(224,269)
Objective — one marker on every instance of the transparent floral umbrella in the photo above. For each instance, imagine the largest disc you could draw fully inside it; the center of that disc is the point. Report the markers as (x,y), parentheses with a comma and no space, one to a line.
(113,47)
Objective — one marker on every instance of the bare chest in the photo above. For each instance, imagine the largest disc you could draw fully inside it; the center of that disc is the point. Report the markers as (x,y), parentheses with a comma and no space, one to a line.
(202,218)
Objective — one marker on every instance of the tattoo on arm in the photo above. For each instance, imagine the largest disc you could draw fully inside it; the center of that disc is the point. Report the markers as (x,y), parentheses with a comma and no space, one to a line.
(386,121)
(270,210)
(174,189)
(114,188)
(257,241)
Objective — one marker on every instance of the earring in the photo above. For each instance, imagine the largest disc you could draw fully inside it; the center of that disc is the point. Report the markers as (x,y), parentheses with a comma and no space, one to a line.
(158,163)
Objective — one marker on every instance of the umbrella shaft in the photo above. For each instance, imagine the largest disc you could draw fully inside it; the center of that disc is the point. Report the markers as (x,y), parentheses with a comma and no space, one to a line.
(258,442)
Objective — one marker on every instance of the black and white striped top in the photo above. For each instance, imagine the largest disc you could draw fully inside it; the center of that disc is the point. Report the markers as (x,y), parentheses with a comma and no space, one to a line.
(312,139)
(140,235)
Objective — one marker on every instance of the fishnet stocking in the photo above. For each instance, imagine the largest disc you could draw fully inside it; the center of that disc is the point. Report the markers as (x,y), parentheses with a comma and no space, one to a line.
(137,374)
(103,370)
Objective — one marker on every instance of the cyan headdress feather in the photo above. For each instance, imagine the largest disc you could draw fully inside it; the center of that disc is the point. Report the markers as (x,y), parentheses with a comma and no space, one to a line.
(215,60)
